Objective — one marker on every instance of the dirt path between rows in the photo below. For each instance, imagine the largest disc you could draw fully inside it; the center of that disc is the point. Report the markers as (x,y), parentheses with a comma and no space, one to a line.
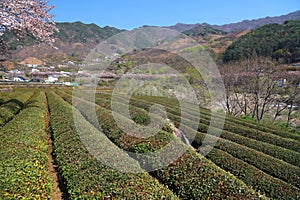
(57,193)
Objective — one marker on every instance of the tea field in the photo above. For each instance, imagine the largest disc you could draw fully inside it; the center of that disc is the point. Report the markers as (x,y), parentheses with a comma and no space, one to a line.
(37,128)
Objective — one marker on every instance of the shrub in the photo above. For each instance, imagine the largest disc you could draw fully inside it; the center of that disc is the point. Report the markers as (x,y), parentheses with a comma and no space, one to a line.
(272,187)
(287,155)
(12,104)
(266,163)
(24,154)
(192,176)
(85,176)
(173,107)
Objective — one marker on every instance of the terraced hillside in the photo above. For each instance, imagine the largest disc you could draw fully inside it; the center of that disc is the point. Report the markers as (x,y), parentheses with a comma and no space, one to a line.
(249,161)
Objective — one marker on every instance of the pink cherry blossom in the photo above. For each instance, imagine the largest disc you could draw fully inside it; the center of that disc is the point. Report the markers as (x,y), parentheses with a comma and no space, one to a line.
(28,16)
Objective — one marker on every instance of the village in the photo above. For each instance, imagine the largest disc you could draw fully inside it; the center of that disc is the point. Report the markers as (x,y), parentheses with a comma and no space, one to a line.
(34,71)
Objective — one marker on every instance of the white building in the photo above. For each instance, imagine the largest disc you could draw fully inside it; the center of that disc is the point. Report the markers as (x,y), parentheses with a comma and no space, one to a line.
(51,79)
(19,79)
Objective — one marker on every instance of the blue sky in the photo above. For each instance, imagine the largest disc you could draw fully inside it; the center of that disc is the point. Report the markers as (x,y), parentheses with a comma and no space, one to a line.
(129,14)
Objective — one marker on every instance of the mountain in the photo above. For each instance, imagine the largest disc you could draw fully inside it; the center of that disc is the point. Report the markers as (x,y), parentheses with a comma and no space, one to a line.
(73,41)
(203,30)
(241,26)
(84,33)
(256,23)
(278,41)
(180,27)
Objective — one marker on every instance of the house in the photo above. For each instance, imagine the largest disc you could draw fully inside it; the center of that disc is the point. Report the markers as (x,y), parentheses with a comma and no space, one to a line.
(71,63)
(281,82)
(73,84)
(35,70)
(51,79)
(19,79)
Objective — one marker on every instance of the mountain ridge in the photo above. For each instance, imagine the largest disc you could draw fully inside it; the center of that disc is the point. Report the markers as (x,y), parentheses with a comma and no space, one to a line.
(240,26)
(76,39)
(73,41)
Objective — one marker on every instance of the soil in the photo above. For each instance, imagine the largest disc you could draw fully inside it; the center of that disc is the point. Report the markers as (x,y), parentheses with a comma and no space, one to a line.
(56,193)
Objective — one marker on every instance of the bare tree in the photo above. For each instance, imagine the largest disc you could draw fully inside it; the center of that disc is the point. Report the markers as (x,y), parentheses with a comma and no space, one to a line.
(250,88)
(288,97)
(24,17)
(263,90)
(230,101)
(292,101)
(242,93)
(281,103)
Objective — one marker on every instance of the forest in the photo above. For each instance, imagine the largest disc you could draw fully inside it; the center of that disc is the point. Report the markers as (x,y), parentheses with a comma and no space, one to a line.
(276,41)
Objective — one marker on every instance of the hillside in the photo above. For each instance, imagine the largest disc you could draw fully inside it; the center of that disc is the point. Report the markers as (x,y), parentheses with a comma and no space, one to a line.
(84,33)
(203,30)
(280,42)
(73,41)
(181,27)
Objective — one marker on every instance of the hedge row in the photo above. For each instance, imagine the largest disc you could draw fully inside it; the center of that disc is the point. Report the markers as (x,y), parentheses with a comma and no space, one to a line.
(275,167)
(287,155)
(269,164)
(12,105)
(206,114)
(260,126)
(284,142)
(138,115)
(272,187)
(5,96)
(85,176)
(24,154)
(192,176)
